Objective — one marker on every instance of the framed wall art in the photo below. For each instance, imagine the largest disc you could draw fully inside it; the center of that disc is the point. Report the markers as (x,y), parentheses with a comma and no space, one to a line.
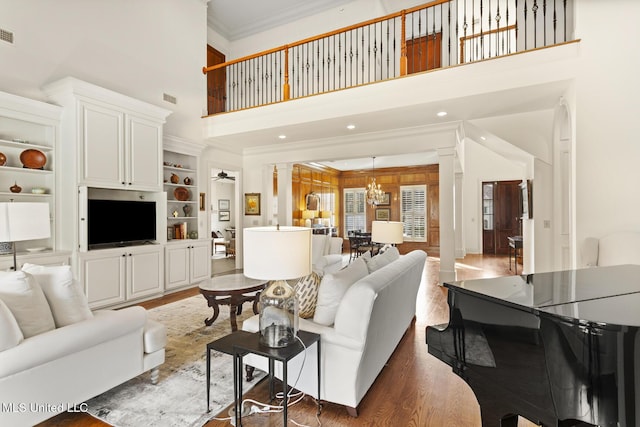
(252,203)
(224,216)
(224,204)
(385,200)
(383,214)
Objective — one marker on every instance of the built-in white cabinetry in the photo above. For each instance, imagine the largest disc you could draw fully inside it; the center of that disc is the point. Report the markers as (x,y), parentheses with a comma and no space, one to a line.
(180,176)
(39,258)
(115,141)
(119,150)
(111,148)
(187,262)
(114,276)
(31,125)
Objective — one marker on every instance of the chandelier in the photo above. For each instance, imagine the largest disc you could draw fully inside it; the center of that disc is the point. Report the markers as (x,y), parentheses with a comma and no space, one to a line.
(375,194)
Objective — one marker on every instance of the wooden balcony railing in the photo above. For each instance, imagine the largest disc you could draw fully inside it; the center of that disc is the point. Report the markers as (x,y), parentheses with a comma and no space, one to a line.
(436,35)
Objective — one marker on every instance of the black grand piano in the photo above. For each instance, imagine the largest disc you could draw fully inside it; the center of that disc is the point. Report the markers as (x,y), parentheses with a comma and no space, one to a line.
(559,348)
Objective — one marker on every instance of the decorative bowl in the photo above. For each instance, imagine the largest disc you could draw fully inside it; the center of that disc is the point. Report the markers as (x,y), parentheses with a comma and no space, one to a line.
(33,159)
(38,190)
(181,194)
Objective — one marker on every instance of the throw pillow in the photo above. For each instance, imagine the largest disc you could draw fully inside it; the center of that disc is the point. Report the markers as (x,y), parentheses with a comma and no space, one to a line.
(65,296)
(332,288)
(24,297)
(379,261)
(11,334)
(307,295)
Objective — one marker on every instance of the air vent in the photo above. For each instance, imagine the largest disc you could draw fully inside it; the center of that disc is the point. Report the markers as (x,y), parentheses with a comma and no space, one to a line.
(6,36)
(169,98)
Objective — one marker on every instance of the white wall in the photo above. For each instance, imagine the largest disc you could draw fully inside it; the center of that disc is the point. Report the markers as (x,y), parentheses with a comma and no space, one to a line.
(140,48)
(607,99)
(542,255)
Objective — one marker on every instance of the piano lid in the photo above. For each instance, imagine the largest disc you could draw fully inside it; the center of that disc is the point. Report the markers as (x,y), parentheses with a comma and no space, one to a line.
(604,313)
(540,290)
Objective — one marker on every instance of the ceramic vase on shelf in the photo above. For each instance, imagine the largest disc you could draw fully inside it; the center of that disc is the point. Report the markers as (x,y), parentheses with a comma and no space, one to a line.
(3,159)
(187,210)
(187,181)
(174,178)
(15,188)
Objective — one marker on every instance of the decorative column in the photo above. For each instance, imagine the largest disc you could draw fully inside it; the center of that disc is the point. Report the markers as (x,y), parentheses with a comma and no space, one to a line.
(447,231)
(285,194)
(458,225)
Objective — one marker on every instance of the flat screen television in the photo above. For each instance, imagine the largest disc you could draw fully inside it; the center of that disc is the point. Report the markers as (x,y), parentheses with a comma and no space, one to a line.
(112,223)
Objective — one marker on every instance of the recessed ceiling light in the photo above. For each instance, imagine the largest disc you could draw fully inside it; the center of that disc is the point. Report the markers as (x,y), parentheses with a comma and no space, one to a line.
(483,138)
(282,136)
(442,113)
(351,127)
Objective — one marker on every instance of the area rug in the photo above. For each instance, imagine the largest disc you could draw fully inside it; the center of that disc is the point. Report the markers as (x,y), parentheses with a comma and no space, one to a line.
(179,398)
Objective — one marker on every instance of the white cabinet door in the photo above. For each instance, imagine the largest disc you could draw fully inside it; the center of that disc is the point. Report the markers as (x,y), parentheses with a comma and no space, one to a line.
(102,146)
(200,261)
(144,154)
(187,262)
(177,265)
(114,158)
(103,274)
(144,271)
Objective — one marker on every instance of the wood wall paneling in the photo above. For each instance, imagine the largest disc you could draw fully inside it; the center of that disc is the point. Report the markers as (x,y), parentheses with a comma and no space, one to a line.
(391,179)
(323,182)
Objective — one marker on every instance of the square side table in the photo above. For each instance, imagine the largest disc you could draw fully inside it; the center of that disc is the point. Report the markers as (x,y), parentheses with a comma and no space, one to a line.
(240,343)
(224,345)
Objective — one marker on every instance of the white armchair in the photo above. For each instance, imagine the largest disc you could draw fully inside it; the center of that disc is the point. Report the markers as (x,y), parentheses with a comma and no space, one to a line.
(613,249)
(326,253)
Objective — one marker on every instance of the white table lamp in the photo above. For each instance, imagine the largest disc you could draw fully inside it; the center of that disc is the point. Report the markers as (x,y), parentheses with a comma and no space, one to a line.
(387,232)
(277,254)
(24,221)
(326,218)
(308,216)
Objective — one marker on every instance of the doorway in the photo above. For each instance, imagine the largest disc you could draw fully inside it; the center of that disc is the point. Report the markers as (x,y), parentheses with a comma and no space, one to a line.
(424,53)
(501,215)
(216,82)
(223,220)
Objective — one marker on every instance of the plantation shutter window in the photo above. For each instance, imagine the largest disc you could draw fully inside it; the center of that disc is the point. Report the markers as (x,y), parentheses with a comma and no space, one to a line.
(413,212)
(354,210)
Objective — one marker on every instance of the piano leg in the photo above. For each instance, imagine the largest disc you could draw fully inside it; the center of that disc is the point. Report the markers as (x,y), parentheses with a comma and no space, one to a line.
(493,414)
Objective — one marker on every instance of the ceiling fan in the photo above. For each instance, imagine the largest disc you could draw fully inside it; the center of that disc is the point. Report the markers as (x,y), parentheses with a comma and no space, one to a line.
(223,175)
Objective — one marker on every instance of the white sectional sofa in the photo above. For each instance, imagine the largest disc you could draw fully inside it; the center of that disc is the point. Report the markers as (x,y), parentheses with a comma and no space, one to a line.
(326,253)
(613,249)
(54,361)
(370,319)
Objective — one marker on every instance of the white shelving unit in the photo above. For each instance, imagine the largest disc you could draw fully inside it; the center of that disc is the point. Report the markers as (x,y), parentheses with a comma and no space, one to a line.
(29,124)
(187,260)
(185,167)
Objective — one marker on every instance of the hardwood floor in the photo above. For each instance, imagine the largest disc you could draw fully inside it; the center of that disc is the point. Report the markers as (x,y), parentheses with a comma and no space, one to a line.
(415,389)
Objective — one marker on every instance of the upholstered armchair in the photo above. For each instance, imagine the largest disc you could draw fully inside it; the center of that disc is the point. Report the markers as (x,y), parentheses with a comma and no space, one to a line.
(613,249)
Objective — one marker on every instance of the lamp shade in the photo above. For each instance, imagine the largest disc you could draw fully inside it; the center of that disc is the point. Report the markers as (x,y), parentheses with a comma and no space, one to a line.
(277,253)
(24,221)
(386,232)
(308,214)
(325,214)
